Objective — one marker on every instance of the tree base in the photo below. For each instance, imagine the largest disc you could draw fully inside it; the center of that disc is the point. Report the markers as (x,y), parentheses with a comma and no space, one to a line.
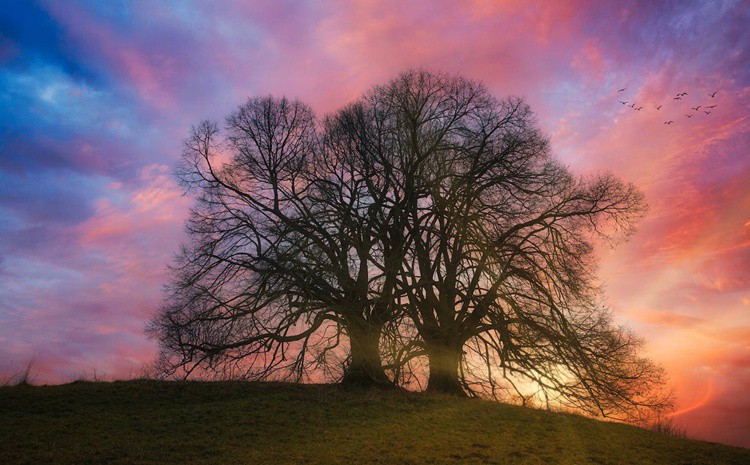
(365,379)
(445,385)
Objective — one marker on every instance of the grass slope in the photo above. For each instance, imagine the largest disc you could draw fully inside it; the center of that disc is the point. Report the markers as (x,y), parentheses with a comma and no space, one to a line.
(265,423)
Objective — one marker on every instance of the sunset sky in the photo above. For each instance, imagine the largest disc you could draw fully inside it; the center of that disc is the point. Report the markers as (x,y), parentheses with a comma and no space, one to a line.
(96,98)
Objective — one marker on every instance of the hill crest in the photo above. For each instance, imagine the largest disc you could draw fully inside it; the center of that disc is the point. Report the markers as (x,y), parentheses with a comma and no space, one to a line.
(240,422)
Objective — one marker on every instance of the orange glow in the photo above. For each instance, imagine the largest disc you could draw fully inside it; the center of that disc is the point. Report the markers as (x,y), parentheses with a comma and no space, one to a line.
(707,396)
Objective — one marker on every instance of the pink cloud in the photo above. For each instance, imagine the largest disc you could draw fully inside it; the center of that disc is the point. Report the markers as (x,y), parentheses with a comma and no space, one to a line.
(155,204)
(91,316)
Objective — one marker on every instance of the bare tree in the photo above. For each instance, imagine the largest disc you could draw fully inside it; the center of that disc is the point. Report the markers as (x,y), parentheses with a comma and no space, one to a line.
(279,255)
(428,220)
(498,241)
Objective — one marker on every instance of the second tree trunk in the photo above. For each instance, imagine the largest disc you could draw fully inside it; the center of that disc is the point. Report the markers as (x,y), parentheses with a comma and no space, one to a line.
(444,362)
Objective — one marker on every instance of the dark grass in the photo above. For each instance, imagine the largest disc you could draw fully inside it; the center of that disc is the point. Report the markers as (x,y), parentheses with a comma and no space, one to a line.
(151,422)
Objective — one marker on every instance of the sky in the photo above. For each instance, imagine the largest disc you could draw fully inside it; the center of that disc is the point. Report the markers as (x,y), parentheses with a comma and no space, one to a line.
(97,97)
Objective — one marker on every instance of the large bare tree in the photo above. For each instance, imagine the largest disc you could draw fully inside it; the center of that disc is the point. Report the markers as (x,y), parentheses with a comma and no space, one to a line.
(497,275)
(280,253)
(427,220)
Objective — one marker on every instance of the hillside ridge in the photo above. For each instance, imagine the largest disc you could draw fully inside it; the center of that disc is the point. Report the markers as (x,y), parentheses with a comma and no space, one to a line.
(150,422)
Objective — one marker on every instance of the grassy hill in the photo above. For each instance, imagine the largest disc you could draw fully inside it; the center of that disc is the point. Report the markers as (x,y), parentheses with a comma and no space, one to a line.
(265,423)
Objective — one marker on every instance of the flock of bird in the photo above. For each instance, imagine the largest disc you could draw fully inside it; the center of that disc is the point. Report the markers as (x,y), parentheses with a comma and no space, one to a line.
(680,96)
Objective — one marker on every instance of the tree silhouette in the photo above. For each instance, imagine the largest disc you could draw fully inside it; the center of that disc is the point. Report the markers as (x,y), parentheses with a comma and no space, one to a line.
(279,251)
(497,272)
(427,219)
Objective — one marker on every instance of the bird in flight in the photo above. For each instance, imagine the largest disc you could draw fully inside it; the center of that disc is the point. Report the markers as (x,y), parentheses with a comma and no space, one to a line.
(707,112)
(689,116)
(638,109)
(677,98)
(659,107)
(622,90)
(714,94)
(668,122)
(681,94)
(712,106)
(623,102)
(632,105)
(696,108)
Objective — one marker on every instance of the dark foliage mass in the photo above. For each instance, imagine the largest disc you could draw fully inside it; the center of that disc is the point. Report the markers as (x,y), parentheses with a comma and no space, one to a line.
(422,233)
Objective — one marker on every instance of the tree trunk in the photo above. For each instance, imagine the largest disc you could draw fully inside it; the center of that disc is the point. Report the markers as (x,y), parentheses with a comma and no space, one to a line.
(444,362)
(365,368)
